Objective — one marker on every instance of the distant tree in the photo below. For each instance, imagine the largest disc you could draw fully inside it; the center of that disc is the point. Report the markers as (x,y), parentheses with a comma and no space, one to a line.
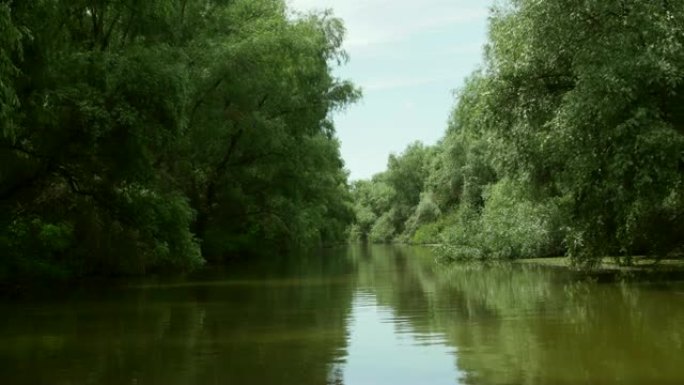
(569,139)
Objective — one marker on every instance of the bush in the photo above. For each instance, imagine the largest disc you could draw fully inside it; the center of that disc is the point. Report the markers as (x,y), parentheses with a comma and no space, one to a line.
(383,231)
(514,225)
(510,225)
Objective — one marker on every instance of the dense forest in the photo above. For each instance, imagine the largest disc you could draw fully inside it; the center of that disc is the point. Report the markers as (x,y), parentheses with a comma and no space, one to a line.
(140,136)
(569,140)
(158,135)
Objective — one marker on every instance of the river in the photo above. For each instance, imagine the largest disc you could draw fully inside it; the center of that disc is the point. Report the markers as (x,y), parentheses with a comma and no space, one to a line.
(357,315)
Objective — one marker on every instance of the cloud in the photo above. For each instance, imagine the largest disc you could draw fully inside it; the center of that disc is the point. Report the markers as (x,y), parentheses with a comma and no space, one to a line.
(409,105)
(405,81)
(376,22)
(474,48)
(407,55)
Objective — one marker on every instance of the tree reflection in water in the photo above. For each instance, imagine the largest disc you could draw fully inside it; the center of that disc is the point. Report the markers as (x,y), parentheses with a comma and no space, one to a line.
(356,315)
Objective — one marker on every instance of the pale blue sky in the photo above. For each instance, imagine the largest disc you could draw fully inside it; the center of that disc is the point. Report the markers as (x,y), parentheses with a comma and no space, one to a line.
(408,56)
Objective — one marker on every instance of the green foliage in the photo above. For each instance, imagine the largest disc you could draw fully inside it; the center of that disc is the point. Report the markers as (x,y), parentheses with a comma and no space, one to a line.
(592,122)
(10,48)
(425,212)
(47,242)
(564,142)
(151,129)
(434,232)
(515,226)
(387,207)
(383,230)
(405,173)
(162,222)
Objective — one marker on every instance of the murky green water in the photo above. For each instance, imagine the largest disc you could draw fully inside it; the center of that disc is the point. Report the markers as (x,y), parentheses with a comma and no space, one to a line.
(363,315)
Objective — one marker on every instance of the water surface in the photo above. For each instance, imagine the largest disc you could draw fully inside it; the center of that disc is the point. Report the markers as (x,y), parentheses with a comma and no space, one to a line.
(358,315)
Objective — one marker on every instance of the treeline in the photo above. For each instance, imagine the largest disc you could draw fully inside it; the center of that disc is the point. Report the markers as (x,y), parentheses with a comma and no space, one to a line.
(569,140)
(152,135)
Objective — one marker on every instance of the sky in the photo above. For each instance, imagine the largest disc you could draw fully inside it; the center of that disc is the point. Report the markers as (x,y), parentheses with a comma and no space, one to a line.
(408,57)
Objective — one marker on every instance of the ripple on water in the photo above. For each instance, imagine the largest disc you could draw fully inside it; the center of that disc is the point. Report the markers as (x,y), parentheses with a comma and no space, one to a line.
(394,355)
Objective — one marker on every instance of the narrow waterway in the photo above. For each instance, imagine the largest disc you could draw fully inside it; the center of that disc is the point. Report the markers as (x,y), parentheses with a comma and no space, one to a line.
(357,315)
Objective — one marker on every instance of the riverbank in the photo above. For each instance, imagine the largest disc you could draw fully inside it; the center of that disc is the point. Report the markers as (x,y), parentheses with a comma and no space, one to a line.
(609,269)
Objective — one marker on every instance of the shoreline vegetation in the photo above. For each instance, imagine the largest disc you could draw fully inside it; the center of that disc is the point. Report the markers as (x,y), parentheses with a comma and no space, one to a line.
(144,137)
(617,266)
(609,269)
(569,140)
(151,136)
(610,263)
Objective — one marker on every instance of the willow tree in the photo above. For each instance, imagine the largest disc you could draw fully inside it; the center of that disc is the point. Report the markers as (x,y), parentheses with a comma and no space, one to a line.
(569,139)
(133,130)
(585,96)
(269,168)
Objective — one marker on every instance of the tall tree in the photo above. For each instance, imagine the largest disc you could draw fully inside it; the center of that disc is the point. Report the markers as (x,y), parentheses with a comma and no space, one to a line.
(136,132)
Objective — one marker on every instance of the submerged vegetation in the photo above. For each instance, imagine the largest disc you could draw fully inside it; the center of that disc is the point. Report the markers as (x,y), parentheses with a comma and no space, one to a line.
(569,140)
(155,135)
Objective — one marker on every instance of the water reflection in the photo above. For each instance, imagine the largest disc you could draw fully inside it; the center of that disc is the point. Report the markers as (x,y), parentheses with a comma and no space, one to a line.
(514,324)
(360,315)
(275,324)
(383,349)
